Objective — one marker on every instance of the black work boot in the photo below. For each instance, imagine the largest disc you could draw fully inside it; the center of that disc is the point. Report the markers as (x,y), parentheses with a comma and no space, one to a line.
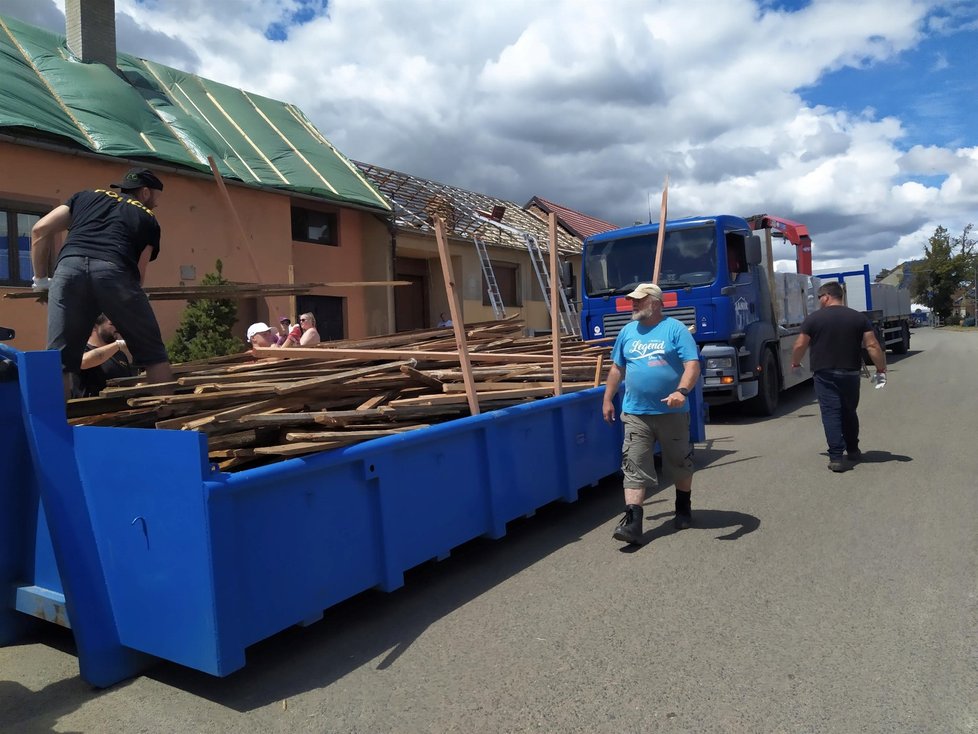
(684,512)
(629,529)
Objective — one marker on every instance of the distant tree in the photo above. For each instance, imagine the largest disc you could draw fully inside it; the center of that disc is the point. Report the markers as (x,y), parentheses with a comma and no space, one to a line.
(944,269)
(205,328)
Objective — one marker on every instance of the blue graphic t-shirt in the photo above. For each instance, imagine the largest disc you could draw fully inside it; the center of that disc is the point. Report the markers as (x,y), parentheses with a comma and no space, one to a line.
(652,357)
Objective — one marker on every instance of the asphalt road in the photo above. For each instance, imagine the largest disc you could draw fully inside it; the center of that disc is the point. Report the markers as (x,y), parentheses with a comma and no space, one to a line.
(802,601)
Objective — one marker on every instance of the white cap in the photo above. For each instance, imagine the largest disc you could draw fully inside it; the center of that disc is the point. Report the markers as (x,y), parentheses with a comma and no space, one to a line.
(644,290)
(257,328)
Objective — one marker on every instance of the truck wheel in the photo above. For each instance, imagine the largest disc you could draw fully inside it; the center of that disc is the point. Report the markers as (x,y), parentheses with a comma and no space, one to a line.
(768,388)
(902,346)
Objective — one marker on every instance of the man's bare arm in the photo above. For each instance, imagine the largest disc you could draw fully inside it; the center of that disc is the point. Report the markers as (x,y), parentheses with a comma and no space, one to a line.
(42,238)
(872,345)
(610,390)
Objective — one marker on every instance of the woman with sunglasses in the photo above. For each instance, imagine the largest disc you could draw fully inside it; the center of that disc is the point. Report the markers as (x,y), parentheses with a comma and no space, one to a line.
(310,336)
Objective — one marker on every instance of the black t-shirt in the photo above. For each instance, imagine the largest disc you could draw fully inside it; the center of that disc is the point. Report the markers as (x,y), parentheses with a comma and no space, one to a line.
(111,226)
(93,380)
(837,337)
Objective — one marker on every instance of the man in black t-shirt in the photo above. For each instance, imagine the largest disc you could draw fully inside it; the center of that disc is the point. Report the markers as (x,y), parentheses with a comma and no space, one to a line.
(837,335)
(104,358)
(112,237)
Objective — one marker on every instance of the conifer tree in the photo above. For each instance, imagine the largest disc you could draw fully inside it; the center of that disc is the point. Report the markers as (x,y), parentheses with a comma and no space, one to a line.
(205,329)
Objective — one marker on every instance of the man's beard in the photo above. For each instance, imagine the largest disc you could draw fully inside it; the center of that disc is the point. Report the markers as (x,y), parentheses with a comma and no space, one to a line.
(107,335)
(645,313)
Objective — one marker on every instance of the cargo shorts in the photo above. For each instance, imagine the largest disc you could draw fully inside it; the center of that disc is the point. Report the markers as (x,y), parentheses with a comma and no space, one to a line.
(671,430)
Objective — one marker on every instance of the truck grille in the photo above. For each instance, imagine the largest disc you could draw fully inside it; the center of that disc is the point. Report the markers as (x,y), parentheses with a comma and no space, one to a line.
(613,322)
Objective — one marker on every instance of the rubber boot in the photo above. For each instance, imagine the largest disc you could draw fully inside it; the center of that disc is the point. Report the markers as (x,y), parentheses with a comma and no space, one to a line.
(629,529)
(684,512)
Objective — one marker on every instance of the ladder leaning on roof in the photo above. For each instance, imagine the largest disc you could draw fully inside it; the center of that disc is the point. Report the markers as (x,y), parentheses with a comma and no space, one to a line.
(569,317)
(492,287)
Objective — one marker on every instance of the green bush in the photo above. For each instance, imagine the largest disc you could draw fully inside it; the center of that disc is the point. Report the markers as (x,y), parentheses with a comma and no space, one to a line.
(205,329)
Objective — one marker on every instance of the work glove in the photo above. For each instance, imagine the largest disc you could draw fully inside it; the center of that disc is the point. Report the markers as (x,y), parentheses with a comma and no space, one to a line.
(879,380)
(40,284)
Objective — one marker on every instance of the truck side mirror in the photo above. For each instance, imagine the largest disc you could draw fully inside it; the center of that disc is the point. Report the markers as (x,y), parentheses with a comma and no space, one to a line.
(753,250)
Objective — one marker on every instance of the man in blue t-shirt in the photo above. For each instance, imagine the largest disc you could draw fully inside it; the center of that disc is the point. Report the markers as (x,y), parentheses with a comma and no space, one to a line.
(657,357)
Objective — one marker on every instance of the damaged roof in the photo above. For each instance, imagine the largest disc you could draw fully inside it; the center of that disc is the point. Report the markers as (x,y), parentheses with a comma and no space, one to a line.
(577,223)
(465,212)
(153,112)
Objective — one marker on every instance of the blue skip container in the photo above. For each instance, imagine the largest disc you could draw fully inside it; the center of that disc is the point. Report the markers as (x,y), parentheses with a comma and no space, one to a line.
(137,542)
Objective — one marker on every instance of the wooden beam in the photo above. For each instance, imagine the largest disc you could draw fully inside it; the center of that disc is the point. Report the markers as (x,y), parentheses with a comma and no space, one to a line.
(662,232)
(423,378)
(533,392)
(327,354)
(242,234)
(455,306)
(295,387)
(555,303)
(353,434)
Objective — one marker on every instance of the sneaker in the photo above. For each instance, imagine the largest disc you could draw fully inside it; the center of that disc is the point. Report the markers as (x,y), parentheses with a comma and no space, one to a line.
(683,521)
(629,528)
(854,456)
(837,465)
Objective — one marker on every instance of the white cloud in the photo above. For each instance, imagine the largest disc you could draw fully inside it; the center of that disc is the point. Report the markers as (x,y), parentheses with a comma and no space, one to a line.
(593,104)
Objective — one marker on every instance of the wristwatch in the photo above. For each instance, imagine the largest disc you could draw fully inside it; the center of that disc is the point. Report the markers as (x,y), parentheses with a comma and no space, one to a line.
(684,391)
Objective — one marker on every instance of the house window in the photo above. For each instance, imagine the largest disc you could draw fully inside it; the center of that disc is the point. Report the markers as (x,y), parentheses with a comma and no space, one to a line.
(309,225)
(15,244)
(507,278)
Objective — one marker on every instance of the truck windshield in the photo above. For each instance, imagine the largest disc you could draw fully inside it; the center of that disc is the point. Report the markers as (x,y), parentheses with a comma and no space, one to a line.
(614,267)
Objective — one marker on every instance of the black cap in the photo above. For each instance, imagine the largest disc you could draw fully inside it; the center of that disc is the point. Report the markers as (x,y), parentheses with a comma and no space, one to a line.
(137,178)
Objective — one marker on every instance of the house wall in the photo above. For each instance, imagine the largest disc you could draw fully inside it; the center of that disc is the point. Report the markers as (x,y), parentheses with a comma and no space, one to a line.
(470,281)
(198,229)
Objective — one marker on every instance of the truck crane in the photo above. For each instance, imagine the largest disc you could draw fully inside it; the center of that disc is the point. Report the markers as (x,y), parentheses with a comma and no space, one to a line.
(795,233)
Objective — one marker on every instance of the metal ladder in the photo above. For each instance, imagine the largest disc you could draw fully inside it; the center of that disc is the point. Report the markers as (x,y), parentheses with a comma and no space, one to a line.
(569,316)
(492,287)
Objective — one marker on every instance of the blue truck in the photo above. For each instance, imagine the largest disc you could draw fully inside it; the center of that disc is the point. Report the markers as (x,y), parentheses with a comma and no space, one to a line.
(718,278)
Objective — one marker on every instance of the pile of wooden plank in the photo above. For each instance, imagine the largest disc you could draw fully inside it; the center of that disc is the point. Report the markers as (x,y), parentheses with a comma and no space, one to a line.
(263,405)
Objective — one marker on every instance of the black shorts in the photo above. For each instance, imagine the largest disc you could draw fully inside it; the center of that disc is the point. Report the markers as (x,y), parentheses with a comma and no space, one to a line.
(81,289)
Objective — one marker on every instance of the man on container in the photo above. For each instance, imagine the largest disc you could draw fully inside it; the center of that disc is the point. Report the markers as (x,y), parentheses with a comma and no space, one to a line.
(112,237)
(657,357)
(837,335)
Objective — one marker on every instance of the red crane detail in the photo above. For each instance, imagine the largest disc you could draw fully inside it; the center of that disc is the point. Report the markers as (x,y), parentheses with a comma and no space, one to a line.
(795,233)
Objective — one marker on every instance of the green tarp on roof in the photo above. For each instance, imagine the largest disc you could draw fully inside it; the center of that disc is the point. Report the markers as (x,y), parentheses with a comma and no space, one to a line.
(160,113)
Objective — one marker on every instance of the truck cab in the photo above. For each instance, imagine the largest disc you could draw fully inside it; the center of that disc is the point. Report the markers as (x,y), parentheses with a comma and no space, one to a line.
(714,281)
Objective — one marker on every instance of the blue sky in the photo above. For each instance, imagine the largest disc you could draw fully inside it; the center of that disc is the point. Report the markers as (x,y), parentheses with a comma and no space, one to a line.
(305,11)
(856,117)
(932,88)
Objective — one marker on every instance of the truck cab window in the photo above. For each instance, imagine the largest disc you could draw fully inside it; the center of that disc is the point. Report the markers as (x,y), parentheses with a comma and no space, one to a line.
(736,256)
(615,266)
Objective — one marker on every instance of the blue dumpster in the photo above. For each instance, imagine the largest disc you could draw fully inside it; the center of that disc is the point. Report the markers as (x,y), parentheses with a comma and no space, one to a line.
(132,538)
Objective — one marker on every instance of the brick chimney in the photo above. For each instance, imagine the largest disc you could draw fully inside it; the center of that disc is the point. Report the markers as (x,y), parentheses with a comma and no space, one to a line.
(91,31)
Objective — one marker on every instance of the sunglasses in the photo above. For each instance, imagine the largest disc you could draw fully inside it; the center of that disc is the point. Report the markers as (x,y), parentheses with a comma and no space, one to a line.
(303,319)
